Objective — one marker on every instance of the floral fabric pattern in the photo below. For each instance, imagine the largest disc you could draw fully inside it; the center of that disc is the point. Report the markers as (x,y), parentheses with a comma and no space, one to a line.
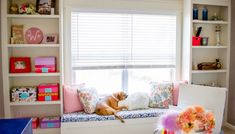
(83,117)
(161,95)
(89,98)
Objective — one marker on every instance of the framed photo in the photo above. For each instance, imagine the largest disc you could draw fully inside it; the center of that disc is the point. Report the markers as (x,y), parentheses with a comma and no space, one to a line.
(17,36)
(20,65)
(44,6)
(50,38)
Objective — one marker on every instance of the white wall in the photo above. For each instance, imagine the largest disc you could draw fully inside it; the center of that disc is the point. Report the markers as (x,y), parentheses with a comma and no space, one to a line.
(1,89)
(143,5)
(231,101)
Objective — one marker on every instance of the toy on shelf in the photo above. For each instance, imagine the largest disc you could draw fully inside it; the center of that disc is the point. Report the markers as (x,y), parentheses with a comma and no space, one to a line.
(48,92)
(23,94)
(210,65)
(50,122)
(45,64)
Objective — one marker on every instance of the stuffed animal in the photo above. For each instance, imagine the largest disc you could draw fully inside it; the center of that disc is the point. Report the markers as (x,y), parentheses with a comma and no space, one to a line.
(210,65)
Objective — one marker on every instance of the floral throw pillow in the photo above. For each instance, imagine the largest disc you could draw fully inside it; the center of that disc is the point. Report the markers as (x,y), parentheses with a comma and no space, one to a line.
(161,95)
(89,98)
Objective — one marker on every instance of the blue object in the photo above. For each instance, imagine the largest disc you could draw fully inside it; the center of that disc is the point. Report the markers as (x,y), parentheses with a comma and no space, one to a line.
(204,13)
(195,13)
(45,70)
(16,126)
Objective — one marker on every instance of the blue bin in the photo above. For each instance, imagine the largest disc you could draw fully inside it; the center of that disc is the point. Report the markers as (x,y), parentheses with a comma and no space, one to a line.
(16,126)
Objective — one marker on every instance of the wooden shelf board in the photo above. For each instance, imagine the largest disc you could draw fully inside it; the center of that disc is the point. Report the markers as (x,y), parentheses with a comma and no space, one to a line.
(209,71)
(33,45)
(33,16)
(209,22)
(35,103)
(46,130)
(33,74)
(208,47)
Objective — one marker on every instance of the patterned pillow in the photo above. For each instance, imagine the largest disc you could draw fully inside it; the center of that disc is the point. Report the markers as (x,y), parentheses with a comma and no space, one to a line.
(161,95)
(89,98)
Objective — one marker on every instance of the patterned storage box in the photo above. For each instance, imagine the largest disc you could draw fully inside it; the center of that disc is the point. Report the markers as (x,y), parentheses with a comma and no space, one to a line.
(45,64)
(23,94)
(50,122)
(48,92)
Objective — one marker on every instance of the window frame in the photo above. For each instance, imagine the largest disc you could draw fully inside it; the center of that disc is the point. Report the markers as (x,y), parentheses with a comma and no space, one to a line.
(67,36)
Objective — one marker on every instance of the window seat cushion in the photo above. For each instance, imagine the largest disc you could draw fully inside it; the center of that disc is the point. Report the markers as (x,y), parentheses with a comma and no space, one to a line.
(84,117)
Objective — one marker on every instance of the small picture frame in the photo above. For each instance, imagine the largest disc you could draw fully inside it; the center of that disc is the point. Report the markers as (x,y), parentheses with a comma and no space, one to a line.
(50,38)
(44,6)
(20,65)
(17,36)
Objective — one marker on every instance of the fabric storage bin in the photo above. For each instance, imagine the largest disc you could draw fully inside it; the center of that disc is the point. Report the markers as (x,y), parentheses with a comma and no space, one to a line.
(24,94)
(48,92)
(45,64)
(50,122)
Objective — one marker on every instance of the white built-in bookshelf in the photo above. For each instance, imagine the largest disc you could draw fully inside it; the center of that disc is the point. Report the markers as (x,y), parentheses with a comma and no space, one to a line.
(48,24)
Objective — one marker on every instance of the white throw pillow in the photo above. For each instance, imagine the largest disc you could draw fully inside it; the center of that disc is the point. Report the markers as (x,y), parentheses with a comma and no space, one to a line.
(138,100)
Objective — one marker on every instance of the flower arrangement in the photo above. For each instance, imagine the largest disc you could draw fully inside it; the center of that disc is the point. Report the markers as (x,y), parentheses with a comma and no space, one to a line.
(27,8)
(192,119)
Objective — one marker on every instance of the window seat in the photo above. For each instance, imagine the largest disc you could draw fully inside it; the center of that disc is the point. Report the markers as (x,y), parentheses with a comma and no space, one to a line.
(136,122)
(83,117)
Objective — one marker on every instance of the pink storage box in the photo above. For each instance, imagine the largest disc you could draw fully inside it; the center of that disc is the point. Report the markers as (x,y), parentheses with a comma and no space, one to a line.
(50,122)
(48,92)
(45,64)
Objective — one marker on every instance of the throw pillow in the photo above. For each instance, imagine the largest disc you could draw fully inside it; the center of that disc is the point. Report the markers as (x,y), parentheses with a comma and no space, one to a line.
(161,95)
(138,100)
(71,100)
(89,98)
(176,91)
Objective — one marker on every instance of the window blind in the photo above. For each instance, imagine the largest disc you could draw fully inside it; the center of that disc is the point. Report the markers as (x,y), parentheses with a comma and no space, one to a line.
(114,40)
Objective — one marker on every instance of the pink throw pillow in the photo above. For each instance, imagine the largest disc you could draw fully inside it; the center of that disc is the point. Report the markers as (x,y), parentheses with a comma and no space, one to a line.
(71,100)
(176,91)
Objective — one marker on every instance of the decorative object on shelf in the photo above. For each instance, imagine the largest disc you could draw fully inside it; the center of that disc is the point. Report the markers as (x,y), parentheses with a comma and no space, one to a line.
(204,41)
(45,64)
(210,65)
(192,120)
(215,17)
(34,35)
(48,92)
(217,31)
(50,122)
(204,13)
(44,6)
(27,8)
(196,40)
(195,12)
(13,9)
(50,38)
(17,36)
(20,65)
(35,122)
(24,94)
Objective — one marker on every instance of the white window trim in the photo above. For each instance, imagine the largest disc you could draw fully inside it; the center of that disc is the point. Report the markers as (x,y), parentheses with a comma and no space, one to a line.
(67,37)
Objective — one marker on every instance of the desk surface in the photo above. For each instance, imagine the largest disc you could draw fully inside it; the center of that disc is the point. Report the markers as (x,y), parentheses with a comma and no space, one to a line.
(16,126)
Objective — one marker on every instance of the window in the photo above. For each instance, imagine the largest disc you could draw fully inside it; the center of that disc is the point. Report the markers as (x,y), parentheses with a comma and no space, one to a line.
(114,51)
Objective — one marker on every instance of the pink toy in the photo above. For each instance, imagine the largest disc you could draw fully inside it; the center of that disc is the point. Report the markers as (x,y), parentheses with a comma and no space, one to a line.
(45,64)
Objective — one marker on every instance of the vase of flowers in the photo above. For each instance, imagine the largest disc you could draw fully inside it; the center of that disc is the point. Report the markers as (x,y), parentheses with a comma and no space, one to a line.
(193,120)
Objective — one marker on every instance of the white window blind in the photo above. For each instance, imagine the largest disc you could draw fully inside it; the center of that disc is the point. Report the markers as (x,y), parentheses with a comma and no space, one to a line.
(113,51)
(111,40)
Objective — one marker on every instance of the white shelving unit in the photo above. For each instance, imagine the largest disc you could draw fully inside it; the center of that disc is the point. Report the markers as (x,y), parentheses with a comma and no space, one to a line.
(193,55)
(49,24)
